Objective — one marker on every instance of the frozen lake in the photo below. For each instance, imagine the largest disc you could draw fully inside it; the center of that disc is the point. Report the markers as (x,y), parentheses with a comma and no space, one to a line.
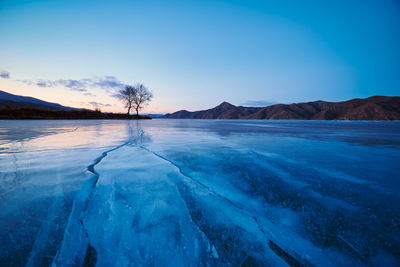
(199,193)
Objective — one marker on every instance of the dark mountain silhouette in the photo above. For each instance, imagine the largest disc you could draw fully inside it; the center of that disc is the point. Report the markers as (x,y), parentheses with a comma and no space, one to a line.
(13,107)
(153,115)
(16,101)
(372,108)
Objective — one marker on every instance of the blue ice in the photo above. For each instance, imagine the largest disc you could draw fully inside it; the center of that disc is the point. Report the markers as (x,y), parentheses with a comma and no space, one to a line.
(199,193)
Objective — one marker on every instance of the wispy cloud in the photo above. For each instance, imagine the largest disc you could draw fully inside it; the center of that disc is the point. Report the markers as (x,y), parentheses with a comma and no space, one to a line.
(97,104)
(108,83)
(44,84)
(115,95)
(4,74)
(89,94)
(28,82)
(258,103)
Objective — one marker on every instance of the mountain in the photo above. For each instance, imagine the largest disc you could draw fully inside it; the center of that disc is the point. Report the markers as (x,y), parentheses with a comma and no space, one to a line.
(15,107)
(16,101)
(153,115)
(223,111)
(372,108)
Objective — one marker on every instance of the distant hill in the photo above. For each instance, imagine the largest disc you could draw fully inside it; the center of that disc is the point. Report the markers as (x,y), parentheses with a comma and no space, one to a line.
(153,115)
(8,100)
(372,108)
(15,107)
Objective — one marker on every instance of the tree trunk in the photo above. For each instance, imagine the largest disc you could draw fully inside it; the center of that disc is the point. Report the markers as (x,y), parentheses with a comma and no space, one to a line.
(129,110)
(137,112)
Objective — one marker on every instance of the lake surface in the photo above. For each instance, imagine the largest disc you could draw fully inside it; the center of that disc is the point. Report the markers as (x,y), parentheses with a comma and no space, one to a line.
(199,193)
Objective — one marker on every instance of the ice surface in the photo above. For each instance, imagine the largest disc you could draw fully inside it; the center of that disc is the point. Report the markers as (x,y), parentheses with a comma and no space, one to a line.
(199,192)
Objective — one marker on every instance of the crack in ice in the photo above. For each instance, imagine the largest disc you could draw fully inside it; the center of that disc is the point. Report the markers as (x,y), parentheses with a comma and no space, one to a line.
(211,245)
(76,236)
(290,257)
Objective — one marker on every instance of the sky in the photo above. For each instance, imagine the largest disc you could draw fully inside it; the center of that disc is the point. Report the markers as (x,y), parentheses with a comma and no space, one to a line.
(196,54)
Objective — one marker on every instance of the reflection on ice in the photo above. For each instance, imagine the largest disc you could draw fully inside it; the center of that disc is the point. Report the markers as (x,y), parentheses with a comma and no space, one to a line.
(185,193)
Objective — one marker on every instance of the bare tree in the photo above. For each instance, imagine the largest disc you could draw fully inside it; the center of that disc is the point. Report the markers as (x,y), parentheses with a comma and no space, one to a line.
(135,97)
(126,96)
(141,97)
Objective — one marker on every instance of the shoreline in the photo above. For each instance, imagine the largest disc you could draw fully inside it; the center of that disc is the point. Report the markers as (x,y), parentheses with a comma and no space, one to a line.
(44,114)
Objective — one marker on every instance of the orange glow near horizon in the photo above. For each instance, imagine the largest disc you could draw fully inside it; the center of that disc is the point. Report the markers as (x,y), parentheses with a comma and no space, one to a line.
(70,98)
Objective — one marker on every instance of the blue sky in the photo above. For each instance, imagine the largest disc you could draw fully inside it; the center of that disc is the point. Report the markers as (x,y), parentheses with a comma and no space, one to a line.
(196,54)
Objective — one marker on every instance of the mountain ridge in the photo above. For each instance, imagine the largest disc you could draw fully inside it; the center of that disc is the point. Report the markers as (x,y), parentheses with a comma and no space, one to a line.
(17,101)
(371,108)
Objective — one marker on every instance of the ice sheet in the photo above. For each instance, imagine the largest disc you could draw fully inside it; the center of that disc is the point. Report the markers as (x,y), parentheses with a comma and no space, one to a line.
(199,192)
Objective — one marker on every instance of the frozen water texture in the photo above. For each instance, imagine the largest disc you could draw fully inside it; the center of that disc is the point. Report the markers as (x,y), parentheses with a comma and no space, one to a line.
(199,193)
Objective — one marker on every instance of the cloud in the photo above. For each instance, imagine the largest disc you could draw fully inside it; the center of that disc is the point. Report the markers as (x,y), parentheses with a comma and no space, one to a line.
(4,74)
(258,103)
(97,104)
(42,83)
(115,95)
(28,82)
(89,94)
(108,83)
